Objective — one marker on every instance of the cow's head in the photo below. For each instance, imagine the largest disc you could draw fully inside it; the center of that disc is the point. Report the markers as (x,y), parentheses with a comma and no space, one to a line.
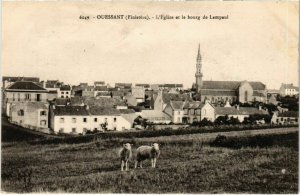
(127,146)
(155,146)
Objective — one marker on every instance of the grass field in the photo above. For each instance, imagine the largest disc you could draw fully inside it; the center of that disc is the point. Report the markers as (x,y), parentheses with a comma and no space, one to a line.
(184,166)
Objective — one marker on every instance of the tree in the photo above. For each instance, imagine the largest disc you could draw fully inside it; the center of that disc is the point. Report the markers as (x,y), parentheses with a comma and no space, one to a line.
(221,120)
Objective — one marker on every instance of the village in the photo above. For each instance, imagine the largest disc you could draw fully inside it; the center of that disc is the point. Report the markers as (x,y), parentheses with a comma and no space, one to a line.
(55,107)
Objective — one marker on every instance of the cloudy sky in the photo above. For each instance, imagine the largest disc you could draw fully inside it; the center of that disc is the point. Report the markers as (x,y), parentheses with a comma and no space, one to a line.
(259,42)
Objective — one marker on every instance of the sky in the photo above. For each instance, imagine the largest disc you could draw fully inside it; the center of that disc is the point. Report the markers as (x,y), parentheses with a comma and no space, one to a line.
(258,42)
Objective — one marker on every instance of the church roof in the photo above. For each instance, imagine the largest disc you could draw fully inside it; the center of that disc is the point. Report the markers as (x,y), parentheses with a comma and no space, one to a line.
(231,85)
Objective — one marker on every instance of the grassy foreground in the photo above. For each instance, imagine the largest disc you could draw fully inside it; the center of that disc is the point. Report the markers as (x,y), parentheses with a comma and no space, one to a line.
(184,166)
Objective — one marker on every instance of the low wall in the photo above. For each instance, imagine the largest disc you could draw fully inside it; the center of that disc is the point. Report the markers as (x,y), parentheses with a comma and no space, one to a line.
(43,130)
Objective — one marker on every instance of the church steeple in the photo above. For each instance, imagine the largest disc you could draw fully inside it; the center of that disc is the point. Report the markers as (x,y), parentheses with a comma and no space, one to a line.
(199,74)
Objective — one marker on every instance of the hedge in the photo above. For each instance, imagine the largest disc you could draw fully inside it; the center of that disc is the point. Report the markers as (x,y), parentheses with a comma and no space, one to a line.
(157,133)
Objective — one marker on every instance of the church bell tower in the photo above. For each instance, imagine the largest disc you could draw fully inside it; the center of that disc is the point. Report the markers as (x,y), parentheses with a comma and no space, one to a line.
(198,74)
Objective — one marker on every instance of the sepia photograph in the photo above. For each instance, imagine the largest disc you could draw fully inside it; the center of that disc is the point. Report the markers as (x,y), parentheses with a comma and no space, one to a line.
(150,97)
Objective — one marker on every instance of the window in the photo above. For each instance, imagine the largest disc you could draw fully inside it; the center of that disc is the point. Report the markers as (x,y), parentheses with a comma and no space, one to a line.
(43,122)
(67,92)
(115,119)
(73,130)
(43,113)
(246,96)
(95,119)
(85,120)
(281,119)
(62,96)
(61,120)
(21,113)
(27,96)
(38,97)
(73,120)
(67,96)
(296,119)
(62,92)
(95,129)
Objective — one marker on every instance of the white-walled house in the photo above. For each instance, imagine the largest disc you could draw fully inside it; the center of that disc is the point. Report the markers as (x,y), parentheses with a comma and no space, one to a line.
(190,111)
(64,91)
(33,115)
(238,112)
(288,117)
(111,116)
(24,91)
(79,119)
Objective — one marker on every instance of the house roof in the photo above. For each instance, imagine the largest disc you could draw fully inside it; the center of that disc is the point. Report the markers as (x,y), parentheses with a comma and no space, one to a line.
(103,93)
(275,91)
(101,88)
(259,94)
(170,85)
(127,111)
(99,82)
(289,114)
(177,105)
(70,111)
(25,86)
(193,105)
(65,87)
(96,110)
(123,84)
(142,85)
(167,97)
(97,101)
(61,101)
(14,79)
(231,85)
(240,111)
(289,86)
(154,114)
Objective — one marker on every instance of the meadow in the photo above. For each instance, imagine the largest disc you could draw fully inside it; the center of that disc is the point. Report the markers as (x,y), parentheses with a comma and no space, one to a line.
(263,161)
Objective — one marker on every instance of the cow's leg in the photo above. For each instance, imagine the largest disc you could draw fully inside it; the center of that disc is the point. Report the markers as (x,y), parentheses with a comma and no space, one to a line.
(154,162)
(122,165)
(141,166)
(136,163)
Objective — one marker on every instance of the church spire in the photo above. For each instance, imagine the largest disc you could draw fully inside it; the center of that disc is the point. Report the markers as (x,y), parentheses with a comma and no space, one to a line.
(199,74)
(199,55)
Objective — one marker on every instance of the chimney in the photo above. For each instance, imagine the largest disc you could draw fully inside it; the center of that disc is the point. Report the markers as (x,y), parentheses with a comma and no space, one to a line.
(44,84)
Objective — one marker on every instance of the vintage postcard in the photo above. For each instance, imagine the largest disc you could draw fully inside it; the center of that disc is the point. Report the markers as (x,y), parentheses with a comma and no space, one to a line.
(150,97)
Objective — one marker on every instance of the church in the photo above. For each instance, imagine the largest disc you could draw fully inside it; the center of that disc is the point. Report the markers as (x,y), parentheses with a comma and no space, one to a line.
(227,91)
